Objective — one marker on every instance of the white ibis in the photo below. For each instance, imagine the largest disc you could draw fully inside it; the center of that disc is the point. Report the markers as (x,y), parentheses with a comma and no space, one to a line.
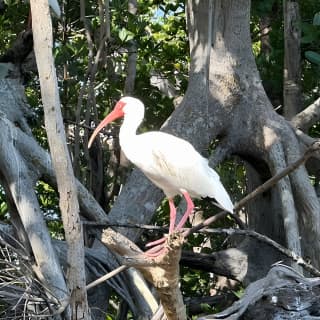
(171,163)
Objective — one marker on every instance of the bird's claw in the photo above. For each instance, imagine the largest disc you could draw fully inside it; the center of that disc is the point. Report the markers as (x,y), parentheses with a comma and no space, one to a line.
(155,252)
(156,242)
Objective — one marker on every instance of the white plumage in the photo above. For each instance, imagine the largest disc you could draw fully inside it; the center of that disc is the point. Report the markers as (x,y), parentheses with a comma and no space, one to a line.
(171,163)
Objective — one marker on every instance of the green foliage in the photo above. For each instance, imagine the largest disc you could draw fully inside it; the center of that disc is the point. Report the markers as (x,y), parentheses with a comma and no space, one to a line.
(159,33)
(15,17)
(313,57)
(310,49)
(3,205)
(311,39)
(316,19)
(49,203)
(239,293)
(195,283)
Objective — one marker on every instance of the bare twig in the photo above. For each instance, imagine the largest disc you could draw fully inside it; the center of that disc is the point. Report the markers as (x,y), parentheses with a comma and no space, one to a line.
(106,277)
(315,147)
(289,253)
(124,225)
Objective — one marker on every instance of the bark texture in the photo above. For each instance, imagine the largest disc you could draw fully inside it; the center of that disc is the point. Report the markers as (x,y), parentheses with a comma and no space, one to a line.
(69,205)
(18,177)
(162,271)
(225,100)
(292,95)
(282,294)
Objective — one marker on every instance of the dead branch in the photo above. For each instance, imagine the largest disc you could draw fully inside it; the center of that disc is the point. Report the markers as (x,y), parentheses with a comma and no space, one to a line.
(105,277)
(69,205)
(162,271)
(19,180)
(19,286)
(250,233)
(308,117)
(282,294)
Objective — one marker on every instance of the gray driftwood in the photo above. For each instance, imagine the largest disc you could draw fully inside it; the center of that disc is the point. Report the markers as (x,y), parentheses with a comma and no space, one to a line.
(282,294)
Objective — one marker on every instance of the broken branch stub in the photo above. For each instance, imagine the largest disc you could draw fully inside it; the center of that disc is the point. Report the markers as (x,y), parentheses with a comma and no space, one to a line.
(161,271)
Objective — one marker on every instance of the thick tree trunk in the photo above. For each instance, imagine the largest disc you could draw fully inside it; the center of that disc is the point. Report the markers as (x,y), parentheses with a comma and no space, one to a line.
(225,100)
(255,132)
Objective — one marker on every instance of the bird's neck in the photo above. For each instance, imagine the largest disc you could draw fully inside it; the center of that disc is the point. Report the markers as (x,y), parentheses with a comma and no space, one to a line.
(128,133)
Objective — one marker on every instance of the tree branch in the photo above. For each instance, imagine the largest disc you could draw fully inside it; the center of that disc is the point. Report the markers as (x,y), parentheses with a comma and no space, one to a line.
(106,277)
(42,31)
(308,117)
(250,233)
(132,55)
(162,271)
(19,182)
(314,148)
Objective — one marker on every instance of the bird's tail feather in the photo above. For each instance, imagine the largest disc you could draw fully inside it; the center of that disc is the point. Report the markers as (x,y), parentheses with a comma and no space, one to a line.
(223,198)
(221,195)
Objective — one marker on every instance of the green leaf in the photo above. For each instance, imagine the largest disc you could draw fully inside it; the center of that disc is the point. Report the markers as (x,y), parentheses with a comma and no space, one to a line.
(239,293)
(205,307)
(125,35)
(313,57)
(3,208)
(316,19)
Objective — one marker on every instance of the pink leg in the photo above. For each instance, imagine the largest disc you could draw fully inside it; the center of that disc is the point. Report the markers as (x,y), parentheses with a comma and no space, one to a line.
(156,242)
(156,251)
(173,213)
(190,207)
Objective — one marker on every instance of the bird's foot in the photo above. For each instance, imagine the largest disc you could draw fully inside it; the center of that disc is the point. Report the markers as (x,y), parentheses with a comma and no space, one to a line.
(165,245)
(156,242)
(158,248)
(155,251)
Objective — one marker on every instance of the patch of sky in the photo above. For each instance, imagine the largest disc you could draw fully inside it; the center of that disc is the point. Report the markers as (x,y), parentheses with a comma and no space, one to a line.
(162,11)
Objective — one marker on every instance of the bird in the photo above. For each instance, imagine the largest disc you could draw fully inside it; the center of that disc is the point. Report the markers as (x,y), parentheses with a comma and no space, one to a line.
(170,162)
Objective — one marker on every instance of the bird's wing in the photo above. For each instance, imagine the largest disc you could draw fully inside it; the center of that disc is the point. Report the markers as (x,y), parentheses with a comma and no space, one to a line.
(173,155)
(168,161)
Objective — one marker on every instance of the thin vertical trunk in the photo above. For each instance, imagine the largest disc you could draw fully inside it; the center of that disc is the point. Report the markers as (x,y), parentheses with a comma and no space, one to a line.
(132,55)
(292,95)
(42,34)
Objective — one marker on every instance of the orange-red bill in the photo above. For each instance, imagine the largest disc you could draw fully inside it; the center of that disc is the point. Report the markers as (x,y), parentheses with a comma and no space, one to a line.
(115,114)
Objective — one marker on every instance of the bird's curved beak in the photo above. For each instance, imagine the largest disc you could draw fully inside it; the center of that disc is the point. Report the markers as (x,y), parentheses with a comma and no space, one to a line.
(115,114)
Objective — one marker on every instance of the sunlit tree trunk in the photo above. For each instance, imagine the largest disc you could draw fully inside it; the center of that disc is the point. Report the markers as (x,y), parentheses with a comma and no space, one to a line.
(69,205)
(225,100)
